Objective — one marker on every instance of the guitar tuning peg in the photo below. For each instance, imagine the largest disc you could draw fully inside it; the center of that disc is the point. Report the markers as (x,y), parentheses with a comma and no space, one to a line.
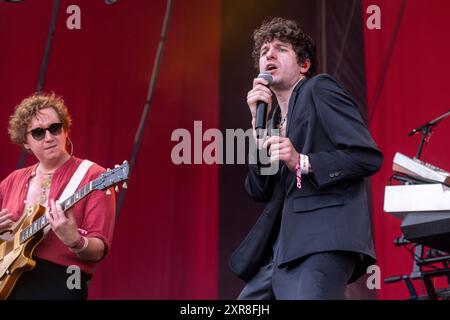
(116,188)
(108,169)
(124,161)
(116,166)
(108,192)
(125,185)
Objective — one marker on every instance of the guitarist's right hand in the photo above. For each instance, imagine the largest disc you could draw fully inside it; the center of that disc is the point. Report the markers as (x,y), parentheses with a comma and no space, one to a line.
(6,220)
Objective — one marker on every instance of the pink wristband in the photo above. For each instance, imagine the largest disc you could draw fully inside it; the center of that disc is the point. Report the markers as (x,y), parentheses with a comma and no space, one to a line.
(298,170)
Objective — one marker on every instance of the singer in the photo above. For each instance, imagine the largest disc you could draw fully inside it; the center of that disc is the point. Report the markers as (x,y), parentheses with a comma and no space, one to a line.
(314,234)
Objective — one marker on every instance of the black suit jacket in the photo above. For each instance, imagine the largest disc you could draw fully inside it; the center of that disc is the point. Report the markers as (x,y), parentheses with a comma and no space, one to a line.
(330,211)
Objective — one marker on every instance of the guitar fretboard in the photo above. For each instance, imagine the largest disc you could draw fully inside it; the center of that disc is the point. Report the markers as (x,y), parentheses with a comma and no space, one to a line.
(42,222)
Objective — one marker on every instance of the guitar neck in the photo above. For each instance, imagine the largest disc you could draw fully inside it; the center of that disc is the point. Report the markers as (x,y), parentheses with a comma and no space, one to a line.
(42,222)
(77,196)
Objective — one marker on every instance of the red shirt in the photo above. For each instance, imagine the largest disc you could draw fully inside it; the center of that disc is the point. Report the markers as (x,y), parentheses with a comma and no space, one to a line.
(94,213)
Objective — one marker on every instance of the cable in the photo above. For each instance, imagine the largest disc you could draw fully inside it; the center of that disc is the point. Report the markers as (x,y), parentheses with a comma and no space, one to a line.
(147,106)
(44,66)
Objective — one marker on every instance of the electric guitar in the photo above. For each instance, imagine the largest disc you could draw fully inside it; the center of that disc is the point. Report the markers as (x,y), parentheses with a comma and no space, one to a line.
(16,253)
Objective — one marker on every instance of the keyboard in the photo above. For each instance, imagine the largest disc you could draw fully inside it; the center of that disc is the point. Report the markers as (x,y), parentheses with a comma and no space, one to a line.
(416,168)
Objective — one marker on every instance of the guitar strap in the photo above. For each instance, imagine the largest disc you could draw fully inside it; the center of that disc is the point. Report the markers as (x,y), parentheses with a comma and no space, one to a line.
(75,180)
(72,185)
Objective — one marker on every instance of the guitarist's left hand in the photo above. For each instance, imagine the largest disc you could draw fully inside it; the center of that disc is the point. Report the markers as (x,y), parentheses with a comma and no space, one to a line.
(63,224)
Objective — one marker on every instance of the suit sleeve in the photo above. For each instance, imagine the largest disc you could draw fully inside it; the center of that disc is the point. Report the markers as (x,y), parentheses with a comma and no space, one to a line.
(259,184)
(259,187)
(355,155)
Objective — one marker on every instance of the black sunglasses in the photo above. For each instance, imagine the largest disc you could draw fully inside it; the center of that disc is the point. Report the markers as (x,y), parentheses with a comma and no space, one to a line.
(39,133)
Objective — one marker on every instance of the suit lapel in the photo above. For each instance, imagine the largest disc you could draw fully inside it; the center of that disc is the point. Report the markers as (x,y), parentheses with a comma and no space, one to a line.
(293,103)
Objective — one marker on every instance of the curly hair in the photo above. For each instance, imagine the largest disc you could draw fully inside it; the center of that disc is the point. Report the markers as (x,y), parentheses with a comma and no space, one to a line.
(29,107)
(288,31)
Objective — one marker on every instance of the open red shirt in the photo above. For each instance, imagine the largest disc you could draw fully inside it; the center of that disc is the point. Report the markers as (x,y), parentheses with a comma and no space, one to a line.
(94,213)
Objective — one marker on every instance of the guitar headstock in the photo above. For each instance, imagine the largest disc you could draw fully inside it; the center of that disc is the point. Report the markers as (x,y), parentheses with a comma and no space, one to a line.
(112,177)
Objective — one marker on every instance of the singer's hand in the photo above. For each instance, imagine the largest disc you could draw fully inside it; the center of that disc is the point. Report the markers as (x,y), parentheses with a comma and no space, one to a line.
(281,148)
(260,92)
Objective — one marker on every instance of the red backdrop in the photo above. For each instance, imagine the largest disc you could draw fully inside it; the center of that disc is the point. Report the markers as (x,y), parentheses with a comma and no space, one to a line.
(166,238)
(415,90)
(166,235)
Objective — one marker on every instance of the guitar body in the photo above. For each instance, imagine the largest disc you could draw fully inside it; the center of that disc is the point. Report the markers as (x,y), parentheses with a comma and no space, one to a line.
(16,257)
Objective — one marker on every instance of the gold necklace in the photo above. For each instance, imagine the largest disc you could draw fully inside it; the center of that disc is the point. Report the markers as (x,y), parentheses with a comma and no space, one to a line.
(282,121)
(45,185)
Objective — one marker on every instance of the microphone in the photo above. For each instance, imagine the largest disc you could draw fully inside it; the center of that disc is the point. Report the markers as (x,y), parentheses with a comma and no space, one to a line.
(261,108)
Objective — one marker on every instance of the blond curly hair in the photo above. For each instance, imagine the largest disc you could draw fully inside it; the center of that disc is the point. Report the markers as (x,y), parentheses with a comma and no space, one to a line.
(29,107)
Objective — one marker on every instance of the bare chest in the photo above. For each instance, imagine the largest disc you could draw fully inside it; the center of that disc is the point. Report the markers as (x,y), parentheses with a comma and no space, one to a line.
(38,190)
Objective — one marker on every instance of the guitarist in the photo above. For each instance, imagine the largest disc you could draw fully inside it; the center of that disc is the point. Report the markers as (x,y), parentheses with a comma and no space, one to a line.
(80,237)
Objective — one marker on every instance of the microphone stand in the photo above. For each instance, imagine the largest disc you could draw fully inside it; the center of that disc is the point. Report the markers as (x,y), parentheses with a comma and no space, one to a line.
(148,102)
(425,131)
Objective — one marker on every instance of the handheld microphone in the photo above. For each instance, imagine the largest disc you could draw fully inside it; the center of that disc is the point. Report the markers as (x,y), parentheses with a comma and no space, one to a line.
(261,107)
